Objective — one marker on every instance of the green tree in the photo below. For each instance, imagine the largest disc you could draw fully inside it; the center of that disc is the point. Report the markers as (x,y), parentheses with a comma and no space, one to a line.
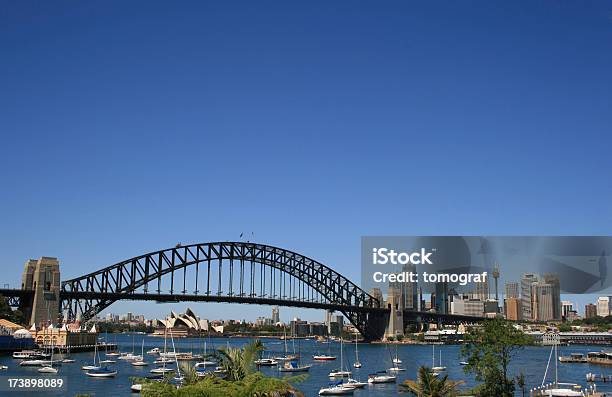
(428,385)
(489,350)
(238,363)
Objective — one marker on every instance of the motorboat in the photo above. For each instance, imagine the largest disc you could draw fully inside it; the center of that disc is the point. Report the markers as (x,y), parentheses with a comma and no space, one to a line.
(573,358)
(396,369)
(30,354)
(113,354)
(103,372)
(264,362)
(463,363)
(336,389)
(155,350)
(381,377)
(355,384)
(68,360)
(108,361)
(323,357)
(47,370)
(161,370)
(136,387)
(35,363)
(338,373)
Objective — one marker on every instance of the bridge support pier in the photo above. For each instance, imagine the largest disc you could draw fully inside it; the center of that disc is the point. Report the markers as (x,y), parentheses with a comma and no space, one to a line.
(43,277)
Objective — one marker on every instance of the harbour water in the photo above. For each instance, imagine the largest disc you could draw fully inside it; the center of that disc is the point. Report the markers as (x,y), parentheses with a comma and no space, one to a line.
(374,357)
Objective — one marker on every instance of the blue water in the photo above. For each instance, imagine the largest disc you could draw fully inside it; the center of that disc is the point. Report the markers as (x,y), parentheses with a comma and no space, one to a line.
(532,361)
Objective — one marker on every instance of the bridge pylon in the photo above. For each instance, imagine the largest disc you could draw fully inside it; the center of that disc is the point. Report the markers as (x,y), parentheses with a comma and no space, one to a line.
(43,277)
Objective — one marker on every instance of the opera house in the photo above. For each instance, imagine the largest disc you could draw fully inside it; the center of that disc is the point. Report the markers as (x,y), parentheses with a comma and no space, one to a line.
(181,325)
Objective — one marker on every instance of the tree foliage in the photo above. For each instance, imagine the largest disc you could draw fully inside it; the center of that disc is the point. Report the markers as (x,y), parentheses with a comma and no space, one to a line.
(488,351)
(429,385)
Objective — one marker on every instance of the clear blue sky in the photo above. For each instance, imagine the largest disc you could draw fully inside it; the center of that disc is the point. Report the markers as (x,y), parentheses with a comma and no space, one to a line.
(130,126)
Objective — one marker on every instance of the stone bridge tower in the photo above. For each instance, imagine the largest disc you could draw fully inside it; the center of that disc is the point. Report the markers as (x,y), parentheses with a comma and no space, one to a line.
(43,277)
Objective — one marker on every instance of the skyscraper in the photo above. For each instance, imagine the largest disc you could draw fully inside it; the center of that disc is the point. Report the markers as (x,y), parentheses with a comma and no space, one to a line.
(553,280)
(512,289)
(526,301)
(275,315)
(603,306)
(542,294)
(590,310)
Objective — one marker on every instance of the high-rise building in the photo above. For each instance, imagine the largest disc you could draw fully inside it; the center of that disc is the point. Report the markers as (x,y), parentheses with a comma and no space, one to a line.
(441,302)
(513,308)
(526,299)
(512,289)
(553,280)
(275,315)
(482,290)
(566,308)
(542,301)
(377,294)
(590,311)
(604,304)
(408,291)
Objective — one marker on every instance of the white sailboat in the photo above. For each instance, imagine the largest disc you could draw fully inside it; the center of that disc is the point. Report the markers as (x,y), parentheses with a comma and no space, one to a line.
(340,373)
(356,364)
(439,368)
(396,361)
(95,357)
(163,360)
(140,362)
(559,389)
(48,369)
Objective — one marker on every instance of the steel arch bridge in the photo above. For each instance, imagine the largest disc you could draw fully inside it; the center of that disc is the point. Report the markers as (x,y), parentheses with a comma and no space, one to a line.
(235,272)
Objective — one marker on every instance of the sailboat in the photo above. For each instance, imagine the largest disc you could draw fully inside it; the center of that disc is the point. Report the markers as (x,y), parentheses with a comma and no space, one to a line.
(163,370)
(48,369)
(395,360)
(206,362)
(140,362)
(325,357)
(340,373)
(286,356)
(356,364)
(67,358)
(439,368)
(336,389)
(293,365)
(95,357)
(559,389)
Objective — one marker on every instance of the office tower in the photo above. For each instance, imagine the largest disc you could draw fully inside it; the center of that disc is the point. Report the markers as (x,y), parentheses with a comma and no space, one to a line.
(542,295)
(526,301)
(482,290)
(512,289)
(377,294)
(275,315)
(440,302)
(603,306)
(553,280)
(513,309)
(566,308)
(590,311)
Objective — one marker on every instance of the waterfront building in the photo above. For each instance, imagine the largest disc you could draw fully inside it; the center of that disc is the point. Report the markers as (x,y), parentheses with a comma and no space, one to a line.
(513,308)
(66,335)
(604,306)
(526,299)
(181,325)
(299,327)
(590,310)
(512,289)
(14,336)
(466,306)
